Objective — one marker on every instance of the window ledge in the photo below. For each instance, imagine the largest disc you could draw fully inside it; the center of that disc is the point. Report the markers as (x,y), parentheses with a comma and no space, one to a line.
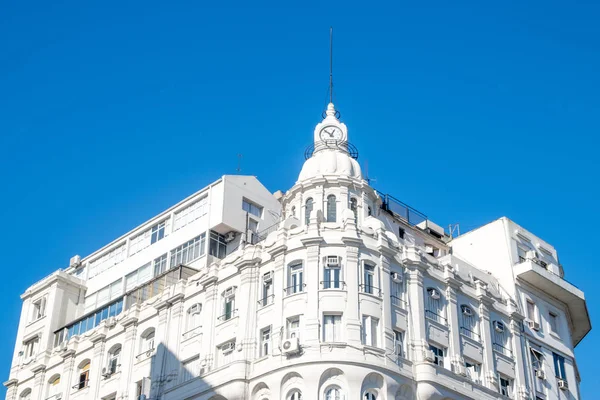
(35,320)
(294,294)
(334,344)
(112,377)
(371,295)
(226,321)
(555,335)
(374,349)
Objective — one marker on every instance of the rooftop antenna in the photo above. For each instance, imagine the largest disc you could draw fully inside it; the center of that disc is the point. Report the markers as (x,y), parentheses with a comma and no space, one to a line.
(239,166)
(331,64)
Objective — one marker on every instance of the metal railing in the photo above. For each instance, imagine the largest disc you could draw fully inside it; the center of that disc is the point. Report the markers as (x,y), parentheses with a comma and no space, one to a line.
(470,334)
(398,302)
(294,289)
(400,209)
(436,317)
(340,145)
(228,315)
(370,289)
(192,333)
(81,385)
(145,354)
(501,349)
(333,284)
(256,237)
(265,301)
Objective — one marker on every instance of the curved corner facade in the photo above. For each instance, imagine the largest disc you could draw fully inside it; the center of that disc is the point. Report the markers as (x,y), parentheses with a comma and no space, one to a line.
(331,291)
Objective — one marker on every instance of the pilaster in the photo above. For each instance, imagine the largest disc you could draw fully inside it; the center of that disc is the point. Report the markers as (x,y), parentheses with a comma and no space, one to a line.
(417,324)
(516,321)
(67,373)
(128,352)
(11,389)
(352,272)
(490,379)
(452,286)
(39,380)
(99,349)
(311,277)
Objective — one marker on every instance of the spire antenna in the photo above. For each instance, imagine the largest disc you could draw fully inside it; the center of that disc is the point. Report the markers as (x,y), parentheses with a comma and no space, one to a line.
(331,64)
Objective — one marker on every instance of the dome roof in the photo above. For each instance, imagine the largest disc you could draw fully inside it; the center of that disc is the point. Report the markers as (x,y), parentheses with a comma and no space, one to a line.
(330,162)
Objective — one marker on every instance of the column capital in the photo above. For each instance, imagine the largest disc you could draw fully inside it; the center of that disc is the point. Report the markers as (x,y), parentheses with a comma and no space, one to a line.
(10,382)
(38,369)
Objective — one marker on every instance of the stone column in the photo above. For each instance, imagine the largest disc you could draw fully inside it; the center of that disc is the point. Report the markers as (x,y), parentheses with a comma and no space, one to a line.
(452,287)
(39,381)
(128,353)
(99,341)
(67,374)
(11,389)
(489,378)
(416,303)
(351,276)
(311,334)
(516,321)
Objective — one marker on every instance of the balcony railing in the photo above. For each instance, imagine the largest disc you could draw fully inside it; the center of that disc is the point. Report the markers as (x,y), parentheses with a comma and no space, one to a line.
(501,349)
(294,289)
(370,289)
(265,301)
(228,315)
(256,237)
(470,334)
(145,354)
(398,302)
(436,317)
(81,385)
(192,333)
(401,210)
(333,284)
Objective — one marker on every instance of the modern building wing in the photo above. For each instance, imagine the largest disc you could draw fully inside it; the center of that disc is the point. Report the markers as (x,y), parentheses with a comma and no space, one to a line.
(331,291)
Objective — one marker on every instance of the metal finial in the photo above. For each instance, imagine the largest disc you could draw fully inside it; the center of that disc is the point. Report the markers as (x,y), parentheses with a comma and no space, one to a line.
(331,64)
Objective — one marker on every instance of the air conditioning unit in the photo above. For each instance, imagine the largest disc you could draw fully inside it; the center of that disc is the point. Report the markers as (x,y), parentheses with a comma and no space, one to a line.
(229,236)
(531,255)
(429,356)
(562,384)
(105,373)
(228,347)
(498,326)
(290,346)
(333,261)
(268,277)
(396,277)
(534,325)
(467,311)
(539,373)
(434,294)
(111,322)
(75,260)
(229,292)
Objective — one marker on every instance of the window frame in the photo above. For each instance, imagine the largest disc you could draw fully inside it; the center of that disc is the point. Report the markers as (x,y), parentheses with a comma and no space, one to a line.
(331,208)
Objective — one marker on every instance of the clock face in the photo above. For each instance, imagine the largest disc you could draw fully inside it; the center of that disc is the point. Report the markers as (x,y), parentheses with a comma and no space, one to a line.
(331,133)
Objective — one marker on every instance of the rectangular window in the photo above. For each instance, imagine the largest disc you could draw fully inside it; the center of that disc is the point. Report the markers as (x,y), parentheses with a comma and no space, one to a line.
(559,367)
(505,386)
(160,264)
(265,342)
(252,225)
(31,347)
(267,290)
(190,213)
(138,277)
(531,314)
(293,327)
(438,355)
(104,295)
(108,260)
(190,369)
(331,277)
(252,208)
(295,279)
(39,309)
(217,246)
(332,328)
(158,232)
(368,279)
(189,251)
(399,345)
(370,328)
(521,254)
(553,322)
(501,338)
(473,371)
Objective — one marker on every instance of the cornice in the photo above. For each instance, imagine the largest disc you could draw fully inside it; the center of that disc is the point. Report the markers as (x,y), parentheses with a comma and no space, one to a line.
(10,382)
(312,241)
(36,369)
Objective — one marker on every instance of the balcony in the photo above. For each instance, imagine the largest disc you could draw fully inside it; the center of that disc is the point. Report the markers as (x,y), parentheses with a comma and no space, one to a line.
(547,280)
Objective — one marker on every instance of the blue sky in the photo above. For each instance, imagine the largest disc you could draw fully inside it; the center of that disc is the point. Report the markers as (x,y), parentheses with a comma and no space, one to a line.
(110,113)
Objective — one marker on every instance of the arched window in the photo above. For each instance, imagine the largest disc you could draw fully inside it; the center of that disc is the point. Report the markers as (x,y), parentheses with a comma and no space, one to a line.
(84,374)
(369,396)
(308,210)
(147,340)
(54,386)
(25,394)
(331,208)
(354,207)
(294,395)
(229,310)
(433,306)
(469,322)
(114,357)
(334,393)
(193,317)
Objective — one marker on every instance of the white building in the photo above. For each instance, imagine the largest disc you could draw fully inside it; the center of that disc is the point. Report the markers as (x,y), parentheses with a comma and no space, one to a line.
(333,291)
